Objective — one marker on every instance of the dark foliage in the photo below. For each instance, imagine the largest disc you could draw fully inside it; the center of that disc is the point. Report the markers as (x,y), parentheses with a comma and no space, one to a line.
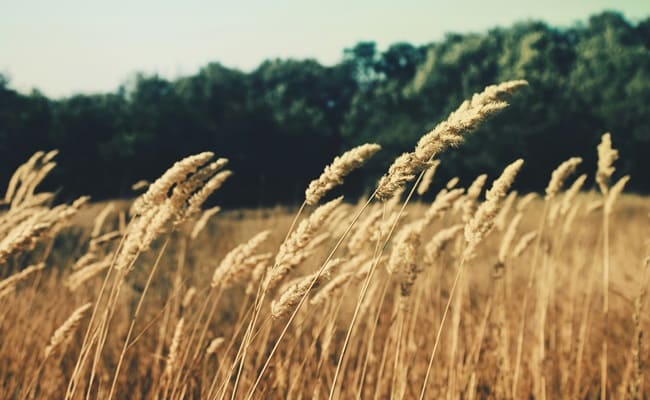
(281,123)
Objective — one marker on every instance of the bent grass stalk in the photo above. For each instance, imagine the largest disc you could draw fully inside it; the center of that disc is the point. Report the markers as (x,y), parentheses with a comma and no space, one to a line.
(304,297)
(259,300)
(366,284)
(72,384)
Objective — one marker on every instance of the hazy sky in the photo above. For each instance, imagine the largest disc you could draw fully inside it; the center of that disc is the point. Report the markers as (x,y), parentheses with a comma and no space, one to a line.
(68,46)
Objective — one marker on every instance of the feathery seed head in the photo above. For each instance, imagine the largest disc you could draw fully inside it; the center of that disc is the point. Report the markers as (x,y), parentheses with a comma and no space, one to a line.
(404,169)
(334,173)
(452,183)
(523,243)
(434,248)
(159,189)
(427,178)
(403,261)
(293,295)
(571,193)
(237,265)
(606,157)
(483,220)
(473,192)
(292,250)
(64,332)
(560,174)
(614,192)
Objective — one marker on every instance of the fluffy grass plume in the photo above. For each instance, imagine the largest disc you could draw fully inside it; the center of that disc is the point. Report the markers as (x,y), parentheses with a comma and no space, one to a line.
(427,178)
(334,173)
(447,134)
(63,333)
(483,219)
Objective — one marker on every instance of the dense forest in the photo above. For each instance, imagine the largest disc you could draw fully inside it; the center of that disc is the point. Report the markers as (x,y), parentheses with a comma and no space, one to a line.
(282,122)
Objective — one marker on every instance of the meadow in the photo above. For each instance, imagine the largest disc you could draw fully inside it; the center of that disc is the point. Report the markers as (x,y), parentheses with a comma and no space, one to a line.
(480,293)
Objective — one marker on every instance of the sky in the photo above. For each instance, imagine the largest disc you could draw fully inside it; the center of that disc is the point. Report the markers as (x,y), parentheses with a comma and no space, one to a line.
(84,46)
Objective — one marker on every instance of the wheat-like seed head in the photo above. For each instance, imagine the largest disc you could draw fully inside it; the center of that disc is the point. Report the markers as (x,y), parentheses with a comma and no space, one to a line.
(404,169)
(483,220)
(403,261)
(330,289)
(214,184)
(158,224)
(65,331)
(334,173)
(20,174)
(386,224)
(133,241)
(593,206)
(508,237)
(214,345)
(49,156)
(159,189)
(466,118)
(569,218)
(365,268)
(606,157)
(523,243)
(441,204)
(364,229)
(614,192)
(473,192)
(427,178)
(502,216)
(571,193)
(291,251)
(560,174)
(29,184)
(295,292)
(189,296)
(434,248)
(76,279)
(7,291)
(19,276)
(85,260)
(188,195)
(452,183)
(237,265)
(203,221)
(155,210)
(140,185)
(36,225)
(174,349)
(38,199)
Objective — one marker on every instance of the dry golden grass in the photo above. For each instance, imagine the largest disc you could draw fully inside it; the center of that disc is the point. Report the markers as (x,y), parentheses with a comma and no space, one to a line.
(470,296)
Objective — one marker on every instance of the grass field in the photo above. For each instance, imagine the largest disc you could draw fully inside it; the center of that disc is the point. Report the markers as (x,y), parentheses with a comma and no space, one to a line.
(482,293)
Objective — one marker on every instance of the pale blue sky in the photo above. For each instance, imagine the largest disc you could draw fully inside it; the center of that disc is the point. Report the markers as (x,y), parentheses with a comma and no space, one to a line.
(68,46)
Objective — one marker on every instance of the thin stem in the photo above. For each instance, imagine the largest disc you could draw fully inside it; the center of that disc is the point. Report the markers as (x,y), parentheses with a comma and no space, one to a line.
(398,343)
(81,360)
(529,286)
(135,315)
(442,324)
(259,300)
(372,338)
(603,365)
(366,284)
(304,297)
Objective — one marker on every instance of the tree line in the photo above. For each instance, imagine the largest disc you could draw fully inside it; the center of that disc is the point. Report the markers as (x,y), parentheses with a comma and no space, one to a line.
(281,123)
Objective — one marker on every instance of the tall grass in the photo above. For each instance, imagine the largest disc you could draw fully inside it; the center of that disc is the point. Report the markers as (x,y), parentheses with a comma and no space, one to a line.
(393,297)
